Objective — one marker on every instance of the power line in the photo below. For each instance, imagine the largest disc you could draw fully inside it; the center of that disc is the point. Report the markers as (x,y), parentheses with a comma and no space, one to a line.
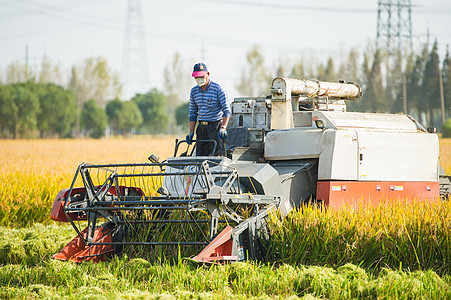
(67,15)
(78,18)
(290,6)
(36,8)
(235,42)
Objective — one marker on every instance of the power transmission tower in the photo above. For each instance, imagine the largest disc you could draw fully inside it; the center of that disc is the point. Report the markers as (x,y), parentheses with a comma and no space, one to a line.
(135,66)
(394,25)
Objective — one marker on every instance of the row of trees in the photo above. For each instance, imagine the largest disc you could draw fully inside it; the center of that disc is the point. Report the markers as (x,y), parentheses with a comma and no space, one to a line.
(46,110)
(35,105)
(42,105)
(144,113)
(29,109)
(389,82)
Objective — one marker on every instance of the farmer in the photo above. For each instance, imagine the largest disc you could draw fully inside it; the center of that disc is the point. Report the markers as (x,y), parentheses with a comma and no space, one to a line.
(210,107)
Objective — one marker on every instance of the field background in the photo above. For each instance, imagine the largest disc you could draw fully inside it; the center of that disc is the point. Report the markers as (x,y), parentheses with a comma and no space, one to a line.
(349,254)
(35,170)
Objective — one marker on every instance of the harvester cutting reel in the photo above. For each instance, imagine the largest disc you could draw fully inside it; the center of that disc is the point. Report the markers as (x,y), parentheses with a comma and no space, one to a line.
(183,202)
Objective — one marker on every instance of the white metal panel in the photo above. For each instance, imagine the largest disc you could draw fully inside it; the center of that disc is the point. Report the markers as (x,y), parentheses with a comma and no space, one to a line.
(369,121)
(339,156)
(302,119)
(391,156)
(281,115)
(293,144)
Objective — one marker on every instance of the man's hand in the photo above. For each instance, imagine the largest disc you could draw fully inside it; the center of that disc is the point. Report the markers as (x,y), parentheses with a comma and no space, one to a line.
(189,138)
(222,133)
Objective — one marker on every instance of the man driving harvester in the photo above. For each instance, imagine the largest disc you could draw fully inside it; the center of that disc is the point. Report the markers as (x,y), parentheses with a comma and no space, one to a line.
(210,106)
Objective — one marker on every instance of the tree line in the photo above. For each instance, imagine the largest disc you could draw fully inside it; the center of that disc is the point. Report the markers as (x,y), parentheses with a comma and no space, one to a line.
(402,81)
(30,109)
(36,106)
(43,105)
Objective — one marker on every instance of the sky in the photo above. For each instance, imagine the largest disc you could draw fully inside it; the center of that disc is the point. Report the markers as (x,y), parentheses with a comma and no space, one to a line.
(218,32)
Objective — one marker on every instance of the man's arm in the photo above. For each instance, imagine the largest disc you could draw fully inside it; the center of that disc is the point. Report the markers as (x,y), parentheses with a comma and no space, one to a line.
(225,106)
(192,112)
(225,121)
(192,126)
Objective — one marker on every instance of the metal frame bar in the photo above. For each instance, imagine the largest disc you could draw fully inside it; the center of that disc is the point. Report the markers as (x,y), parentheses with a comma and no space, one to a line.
(98,203)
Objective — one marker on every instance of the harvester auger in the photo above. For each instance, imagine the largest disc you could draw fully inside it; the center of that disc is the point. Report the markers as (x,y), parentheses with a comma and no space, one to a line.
(298,145)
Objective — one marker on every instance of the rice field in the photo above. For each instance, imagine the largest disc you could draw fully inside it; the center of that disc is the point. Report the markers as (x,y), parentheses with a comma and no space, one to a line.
(397,251)
(445,155)
(398,235)
(35,170)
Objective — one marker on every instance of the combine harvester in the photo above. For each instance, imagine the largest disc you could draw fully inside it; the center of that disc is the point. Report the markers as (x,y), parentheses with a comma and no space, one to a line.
(296,146)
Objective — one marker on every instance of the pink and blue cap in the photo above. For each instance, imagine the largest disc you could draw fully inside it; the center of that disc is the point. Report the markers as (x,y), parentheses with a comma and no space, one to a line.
(199,70)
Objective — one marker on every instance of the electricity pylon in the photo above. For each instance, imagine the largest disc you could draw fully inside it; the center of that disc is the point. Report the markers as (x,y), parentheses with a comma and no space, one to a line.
(394,25)
(135,66)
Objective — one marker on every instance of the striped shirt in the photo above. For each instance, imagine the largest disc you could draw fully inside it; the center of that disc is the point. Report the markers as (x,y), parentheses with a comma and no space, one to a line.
(209,105)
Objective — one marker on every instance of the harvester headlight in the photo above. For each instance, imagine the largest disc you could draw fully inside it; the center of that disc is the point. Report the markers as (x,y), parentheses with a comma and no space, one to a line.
(153,158)
(319,124)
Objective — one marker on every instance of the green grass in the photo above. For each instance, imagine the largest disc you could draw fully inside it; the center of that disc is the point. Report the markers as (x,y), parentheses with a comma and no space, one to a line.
(124,278)
(26,271)
(32,245)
